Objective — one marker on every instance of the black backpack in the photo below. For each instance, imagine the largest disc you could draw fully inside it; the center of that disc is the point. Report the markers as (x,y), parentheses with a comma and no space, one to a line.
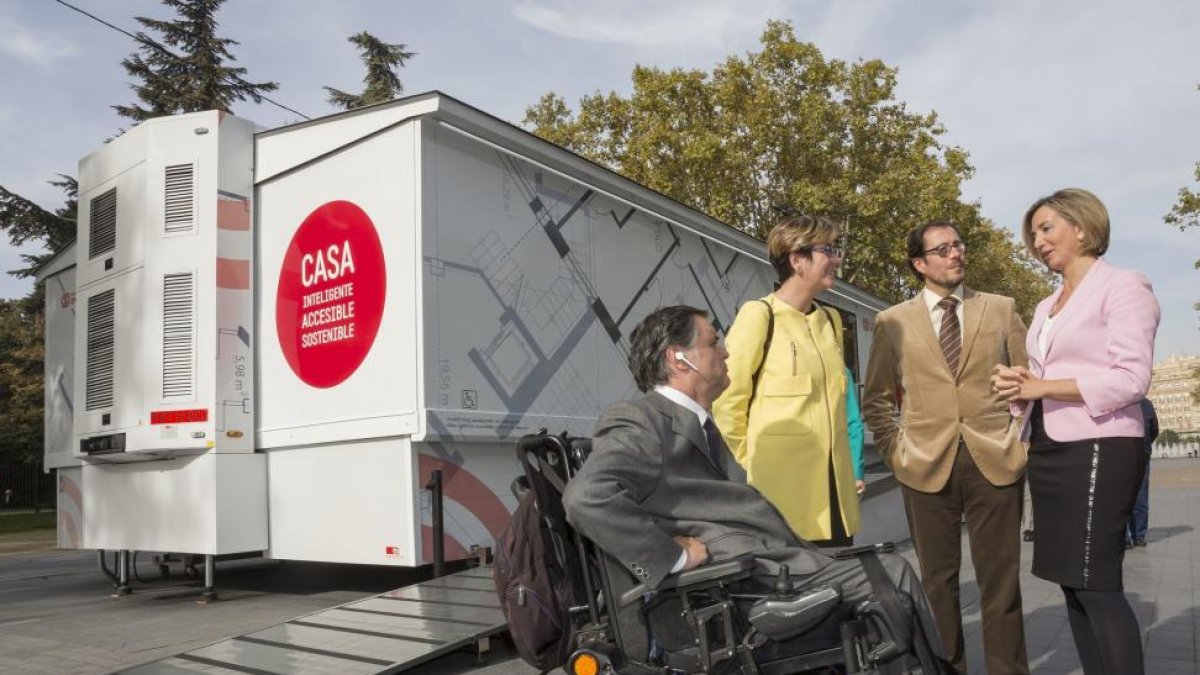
(534,591)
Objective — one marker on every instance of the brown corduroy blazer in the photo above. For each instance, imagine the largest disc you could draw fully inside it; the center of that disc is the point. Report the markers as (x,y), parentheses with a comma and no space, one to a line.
(917,409)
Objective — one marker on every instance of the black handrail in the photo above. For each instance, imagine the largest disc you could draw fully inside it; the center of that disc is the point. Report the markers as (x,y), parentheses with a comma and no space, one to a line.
(439,553)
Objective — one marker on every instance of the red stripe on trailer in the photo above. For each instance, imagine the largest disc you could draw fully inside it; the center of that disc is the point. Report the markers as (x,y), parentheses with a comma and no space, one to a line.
(65,516)
(470,492)
(233,274)
(71,490)
(70,529)
(453,550)
(178,416)
(233,214)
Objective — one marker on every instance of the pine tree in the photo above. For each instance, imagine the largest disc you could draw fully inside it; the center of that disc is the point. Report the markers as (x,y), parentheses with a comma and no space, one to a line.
(26,222)
(383,61)
(198,78)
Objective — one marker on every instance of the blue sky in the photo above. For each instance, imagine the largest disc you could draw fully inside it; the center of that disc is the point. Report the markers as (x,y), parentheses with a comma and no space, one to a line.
(1098,94)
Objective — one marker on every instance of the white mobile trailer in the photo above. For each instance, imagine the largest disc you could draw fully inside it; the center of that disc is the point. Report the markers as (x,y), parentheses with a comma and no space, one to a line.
(428,284)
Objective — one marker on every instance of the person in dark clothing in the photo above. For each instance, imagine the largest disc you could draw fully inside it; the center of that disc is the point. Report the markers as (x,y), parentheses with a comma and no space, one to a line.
(1139,520)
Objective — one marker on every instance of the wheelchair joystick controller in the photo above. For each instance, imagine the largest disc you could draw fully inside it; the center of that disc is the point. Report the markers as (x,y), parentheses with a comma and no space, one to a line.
(783,584)
(785,613)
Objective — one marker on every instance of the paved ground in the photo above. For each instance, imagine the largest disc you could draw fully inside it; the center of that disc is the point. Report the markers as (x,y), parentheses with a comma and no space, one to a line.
(56,615)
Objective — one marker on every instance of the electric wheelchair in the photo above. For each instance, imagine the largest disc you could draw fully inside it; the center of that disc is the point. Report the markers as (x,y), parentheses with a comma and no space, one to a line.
(703,620)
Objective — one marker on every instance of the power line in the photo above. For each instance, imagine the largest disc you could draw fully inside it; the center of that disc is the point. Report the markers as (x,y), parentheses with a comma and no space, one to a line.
(145,40)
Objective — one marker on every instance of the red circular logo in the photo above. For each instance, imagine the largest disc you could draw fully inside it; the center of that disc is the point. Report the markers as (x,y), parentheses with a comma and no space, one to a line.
(331,292)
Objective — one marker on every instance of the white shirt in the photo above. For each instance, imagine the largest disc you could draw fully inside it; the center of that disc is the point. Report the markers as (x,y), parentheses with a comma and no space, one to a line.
(935,313)
(675,396)
(1044,336)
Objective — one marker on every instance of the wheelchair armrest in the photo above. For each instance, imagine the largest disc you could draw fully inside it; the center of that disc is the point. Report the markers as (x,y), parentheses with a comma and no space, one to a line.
(855,551)
(707,574)
(784,617)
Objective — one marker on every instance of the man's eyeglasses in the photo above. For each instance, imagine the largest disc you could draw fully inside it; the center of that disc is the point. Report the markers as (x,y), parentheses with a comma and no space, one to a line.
(943,251)
(826,249)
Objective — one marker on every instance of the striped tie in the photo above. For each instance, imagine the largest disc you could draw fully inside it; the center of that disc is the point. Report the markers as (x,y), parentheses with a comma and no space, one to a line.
(950,335)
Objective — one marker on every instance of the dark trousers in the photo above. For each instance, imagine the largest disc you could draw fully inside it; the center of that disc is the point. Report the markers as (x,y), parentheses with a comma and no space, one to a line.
(993,523)
(1139,520)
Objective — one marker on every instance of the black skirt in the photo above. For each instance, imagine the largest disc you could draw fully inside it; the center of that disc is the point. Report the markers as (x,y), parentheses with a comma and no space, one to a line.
(1082,494)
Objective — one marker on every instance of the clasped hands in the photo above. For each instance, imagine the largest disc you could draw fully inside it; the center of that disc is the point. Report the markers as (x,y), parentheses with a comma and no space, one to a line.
(1016,384)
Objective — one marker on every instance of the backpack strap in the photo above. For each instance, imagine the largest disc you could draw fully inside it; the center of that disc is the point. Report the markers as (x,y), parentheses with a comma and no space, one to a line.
(770,333)
(836,320)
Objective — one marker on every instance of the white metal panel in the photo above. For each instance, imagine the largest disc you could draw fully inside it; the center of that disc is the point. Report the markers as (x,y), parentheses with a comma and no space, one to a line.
(348,502)
(234,386)
(532,282)
(240,502)
(59,370)
(129,361)
(210,362)
(378,397)
(130,186)
(210,504)
(289,147)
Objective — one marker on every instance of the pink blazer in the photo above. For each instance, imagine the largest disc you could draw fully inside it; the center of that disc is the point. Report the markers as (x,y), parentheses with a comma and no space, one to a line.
(1104,340)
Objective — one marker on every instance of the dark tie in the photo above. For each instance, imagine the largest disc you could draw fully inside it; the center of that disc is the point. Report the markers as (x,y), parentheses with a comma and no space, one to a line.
(950,336)
(715,450)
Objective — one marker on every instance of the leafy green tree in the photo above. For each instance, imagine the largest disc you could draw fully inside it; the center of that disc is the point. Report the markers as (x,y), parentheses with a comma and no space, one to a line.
(1184,214)
(20,380)
(786,126)
(383,61)
(199,78)
(21,320)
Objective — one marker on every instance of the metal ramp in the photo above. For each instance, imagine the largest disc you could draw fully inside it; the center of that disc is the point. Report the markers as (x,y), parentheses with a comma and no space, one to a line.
(386,633)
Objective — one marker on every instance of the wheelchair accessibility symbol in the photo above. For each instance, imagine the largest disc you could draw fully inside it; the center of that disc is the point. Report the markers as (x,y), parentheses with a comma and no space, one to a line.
(470,399)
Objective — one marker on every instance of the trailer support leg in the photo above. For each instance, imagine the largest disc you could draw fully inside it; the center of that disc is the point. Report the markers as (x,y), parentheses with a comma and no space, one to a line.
(209,593)
(482,646)
(123,574)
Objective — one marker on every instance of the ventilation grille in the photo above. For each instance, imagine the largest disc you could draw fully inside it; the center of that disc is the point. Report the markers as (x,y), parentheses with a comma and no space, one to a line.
(179,198)
(102,224)
(101,315)
(179,341)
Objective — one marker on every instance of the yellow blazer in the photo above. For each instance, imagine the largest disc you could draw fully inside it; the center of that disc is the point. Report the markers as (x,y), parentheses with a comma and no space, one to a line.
(787,433)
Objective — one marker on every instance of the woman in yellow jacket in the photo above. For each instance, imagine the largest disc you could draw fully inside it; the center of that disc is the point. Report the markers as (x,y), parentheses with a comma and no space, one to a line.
(784,416)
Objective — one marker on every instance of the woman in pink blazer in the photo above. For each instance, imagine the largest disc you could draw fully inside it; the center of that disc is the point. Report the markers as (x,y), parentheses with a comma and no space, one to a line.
(1091,346)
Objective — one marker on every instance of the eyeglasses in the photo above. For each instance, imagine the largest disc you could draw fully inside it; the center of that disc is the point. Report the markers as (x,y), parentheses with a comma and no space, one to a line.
(943,251)
(827,249)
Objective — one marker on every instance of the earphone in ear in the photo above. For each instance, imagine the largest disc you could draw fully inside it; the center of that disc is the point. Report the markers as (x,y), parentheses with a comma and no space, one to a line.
(680,356)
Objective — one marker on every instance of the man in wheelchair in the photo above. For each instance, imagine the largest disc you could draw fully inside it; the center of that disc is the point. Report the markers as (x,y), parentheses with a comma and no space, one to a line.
(715,576)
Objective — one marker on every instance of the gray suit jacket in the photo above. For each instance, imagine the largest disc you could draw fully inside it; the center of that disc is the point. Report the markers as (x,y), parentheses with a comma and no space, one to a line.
(649,478)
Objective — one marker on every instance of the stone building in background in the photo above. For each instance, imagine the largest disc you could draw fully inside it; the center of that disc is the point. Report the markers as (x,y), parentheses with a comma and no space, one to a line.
(1171,389)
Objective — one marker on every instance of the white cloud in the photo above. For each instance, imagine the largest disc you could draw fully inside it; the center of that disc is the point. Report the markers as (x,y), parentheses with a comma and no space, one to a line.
(704,23)
(26,45)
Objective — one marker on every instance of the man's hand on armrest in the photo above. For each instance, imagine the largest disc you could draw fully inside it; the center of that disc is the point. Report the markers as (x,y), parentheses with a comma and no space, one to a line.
(694,549)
